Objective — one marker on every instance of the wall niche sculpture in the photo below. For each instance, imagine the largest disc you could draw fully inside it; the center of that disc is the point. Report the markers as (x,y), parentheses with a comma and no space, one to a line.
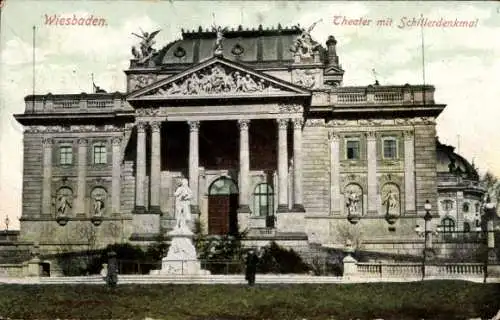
(391,205)
(98,198)
(63,205)
(353,195)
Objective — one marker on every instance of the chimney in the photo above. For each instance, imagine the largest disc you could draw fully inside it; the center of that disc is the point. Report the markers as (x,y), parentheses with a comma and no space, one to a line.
(331,43)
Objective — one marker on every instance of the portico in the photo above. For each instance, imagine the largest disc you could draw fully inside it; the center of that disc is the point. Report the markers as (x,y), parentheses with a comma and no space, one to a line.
(282,122)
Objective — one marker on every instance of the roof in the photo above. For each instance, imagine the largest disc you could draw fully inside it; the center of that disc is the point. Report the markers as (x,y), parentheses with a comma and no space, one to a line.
(450,162)
(258,45)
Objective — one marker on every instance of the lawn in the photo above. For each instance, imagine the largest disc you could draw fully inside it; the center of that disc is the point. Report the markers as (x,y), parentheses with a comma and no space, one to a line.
(429,300)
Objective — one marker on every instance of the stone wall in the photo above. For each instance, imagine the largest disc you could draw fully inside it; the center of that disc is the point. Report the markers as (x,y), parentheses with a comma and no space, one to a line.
(425,165)
(315,170)
(32,175)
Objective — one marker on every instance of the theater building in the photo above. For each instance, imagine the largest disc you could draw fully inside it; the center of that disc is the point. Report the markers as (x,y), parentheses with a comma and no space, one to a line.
(260,124)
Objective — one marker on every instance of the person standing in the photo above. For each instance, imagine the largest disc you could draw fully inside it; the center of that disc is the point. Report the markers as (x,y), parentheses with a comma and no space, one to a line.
(112,270)
(251,267)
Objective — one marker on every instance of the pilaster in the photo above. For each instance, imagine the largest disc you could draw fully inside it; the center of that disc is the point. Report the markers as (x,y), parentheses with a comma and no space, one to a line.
(409,165)
(116,176)
(47,176)
(282,165)
(371,150)
(298,205)
(140,168)
(244,166)
(82,174)
(155,167)
(194,163)
(335,173)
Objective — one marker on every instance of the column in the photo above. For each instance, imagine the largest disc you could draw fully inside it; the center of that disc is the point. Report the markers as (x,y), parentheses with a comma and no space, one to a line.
(154,206)
(81,177)
(244,166)
(371,150)
(47,176)
(298,205)
(194,163)
(116,176)
(335,173)
(282,165)
(409,172)
(140,174)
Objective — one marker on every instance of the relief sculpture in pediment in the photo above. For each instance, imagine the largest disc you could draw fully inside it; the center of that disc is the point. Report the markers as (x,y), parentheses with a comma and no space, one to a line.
(141,81)
(216,80)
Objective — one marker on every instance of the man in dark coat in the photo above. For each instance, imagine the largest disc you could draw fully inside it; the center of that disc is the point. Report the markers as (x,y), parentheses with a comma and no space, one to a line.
(251,267)
(112,276)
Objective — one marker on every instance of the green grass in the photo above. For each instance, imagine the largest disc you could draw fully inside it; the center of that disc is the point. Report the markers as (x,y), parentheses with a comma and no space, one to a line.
(429,300)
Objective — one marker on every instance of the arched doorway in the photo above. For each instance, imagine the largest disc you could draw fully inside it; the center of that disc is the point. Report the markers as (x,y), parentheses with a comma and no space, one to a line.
(222,207)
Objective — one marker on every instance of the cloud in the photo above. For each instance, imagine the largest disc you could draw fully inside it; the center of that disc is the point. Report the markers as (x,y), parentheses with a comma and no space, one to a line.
(17,52)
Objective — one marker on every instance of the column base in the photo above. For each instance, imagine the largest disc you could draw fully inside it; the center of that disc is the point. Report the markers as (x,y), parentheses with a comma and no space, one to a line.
(140,210)
(195,209)
(297,207)
(154,210)
(244,208)
(282,208)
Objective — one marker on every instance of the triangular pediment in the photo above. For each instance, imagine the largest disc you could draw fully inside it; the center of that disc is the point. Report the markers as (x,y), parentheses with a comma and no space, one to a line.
(216,78)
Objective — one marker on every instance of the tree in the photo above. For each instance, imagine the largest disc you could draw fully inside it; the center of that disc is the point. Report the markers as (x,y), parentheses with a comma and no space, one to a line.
(492,185)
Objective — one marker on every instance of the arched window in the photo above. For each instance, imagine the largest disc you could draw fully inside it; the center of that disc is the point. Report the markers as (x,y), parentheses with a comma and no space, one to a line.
(448,225)
(263,200)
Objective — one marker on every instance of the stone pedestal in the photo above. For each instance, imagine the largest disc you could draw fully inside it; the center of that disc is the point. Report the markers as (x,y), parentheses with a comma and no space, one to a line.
(181,258)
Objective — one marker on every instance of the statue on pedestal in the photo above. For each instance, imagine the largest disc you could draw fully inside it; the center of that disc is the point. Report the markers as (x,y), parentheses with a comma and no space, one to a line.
(183,195)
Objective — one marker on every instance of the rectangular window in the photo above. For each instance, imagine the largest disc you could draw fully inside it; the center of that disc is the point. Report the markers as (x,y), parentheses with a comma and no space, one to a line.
(100,154)
(352,149)
(390,148)
(66,155)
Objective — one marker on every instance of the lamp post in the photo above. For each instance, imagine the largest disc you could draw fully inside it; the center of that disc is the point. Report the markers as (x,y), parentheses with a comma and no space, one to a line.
(489,213)
(427,234)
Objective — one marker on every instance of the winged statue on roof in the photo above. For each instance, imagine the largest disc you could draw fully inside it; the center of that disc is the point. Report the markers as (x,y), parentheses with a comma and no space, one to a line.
(304,45)
(145,51)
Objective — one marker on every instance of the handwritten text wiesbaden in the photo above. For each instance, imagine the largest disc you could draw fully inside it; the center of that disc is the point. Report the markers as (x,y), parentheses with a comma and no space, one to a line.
(74,20)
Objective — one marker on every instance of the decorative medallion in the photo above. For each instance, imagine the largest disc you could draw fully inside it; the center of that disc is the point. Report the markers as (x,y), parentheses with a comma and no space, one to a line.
(179,52)
(237,50)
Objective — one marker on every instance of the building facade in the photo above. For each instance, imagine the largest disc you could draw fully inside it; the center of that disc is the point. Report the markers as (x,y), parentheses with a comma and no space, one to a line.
(260,124)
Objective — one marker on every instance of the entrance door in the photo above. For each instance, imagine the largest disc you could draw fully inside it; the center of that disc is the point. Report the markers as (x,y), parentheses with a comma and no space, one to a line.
(222,207)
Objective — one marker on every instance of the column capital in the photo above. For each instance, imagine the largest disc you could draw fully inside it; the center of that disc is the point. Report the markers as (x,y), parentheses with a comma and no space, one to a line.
(243,124)
(117,141)
(194,125)
(298,123)
(408,134)
(48,141)
(83,142)
(282,123)
(370,135)
(141,126)
(333,135)
(155,126)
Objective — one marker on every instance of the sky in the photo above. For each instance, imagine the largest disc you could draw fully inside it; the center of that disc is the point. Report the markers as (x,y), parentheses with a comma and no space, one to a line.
(462,63)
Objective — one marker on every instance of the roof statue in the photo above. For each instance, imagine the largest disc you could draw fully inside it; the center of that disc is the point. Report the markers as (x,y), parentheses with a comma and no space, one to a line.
(218,41)
(304,45)
(146,46)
